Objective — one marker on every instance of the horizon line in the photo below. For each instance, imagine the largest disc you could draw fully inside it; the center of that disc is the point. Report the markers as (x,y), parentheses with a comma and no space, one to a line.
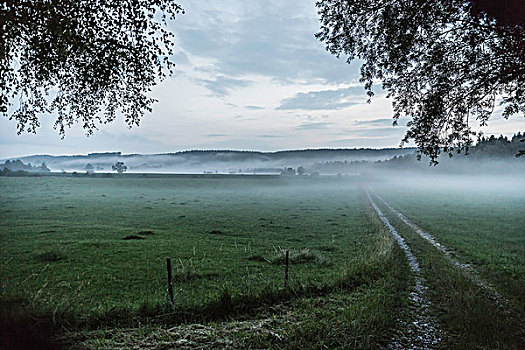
(212,150)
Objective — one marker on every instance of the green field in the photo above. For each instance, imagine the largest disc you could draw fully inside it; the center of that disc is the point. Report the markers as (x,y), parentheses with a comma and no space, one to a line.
(85,259)
(481,220)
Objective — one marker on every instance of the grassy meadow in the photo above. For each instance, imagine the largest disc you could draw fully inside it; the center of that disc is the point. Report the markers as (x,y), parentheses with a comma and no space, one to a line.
(85,257)
(106,240)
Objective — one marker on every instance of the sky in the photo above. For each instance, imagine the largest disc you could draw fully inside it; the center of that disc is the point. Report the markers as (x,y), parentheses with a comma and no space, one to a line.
(250,75)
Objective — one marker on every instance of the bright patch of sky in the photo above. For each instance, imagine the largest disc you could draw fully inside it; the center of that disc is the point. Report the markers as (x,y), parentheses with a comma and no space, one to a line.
(250,75)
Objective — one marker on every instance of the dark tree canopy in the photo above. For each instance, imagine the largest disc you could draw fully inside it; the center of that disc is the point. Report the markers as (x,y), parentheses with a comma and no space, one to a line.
(84,60)
(119,167)
(442,62)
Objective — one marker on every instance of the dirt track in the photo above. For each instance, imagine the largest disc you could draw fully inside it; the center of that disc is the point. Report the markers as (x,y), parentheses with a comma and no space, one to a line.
(468,271)
(422,331)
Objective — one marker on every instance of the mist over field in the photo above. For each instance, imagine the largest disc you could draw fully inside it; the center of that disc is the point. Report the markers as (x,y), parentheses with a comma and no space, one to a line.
(364,235)
(375,235)
(488,156)
(214,161)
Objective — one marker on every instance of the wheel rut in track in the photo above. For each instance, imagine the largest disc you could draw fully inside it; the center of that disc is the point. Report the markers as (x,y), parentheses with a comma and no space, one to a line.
(422,331)
(467,270)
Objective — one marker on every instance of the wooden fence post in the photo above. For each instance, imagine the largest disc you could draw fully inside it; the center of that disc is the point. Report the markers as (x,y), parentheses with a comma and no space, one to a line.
(170,284)
(286,264)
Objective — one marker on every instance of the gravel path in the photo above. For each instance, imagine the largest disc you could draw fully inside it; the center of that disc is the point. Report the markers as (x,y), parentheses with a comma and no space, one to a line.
(423,331)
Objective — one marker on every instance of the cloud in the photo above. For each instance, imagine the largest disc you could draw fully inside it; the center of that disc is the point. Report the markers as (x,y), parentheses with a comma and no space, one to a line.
(382,121)
(267,136)
(381,132)
(324,100)
(371,137)
(111,137)
(222,85)
(216,135)
(180,58)
(254,108)
(275,40)
(312,126)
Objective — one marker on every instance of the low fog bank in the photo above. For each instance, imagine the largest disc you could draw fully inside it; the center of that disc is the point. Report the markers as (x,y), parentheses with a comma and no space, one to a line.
(490,156)
(452,191)
(215,161)
(476,181)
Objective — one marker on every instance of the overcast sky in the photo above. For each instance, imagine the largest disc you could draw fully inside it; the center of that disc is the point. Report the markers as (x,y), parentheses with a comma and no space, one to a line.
(250,76)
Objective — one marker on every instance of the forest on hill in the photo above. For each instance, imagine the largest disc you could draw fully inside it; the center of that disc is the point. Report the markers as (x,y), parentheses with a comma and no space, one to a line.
(489,155)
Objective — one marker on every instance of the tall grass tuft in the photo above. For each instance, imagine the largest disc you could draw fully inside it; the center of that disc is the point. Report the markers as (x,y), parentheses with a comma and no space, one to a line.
(301,256)
(185,271)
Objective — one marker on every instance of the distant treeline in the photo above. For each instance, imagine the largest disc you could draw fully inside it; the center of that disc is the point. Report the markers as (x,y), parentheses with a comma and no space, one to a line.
(238,155)
(18,168)
(212,160)
(500,147)
(490,154)
(487,149)
(302,152)
(246,156)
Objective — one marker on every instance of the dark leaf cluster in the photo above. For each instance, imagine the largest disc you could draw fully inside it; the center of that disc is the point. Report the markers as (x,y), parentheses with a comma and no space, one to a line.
(84,61)
(445,63)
